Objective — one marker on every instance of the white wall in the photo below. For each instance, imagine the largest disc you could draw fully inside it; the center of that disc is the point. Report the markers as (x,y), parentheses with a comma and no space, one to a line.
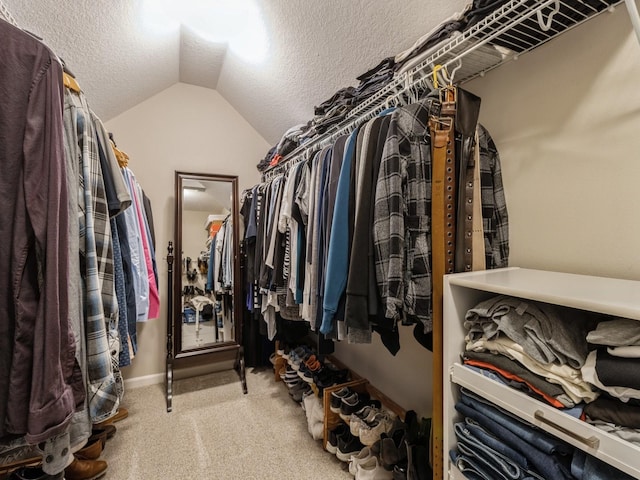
(184,128)
(566,121)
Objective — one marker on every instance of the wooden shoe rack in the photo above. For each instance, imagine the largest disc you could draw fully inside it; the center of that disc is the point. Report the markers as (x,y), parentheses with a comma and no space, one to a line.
(357,384)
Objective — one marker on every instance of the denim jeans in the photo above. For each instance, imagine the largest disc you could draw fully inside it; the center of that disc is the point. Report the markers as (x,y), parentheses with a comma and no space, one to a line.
(541,440)
(490,441)
(547,465)
(500,465)
(587,467)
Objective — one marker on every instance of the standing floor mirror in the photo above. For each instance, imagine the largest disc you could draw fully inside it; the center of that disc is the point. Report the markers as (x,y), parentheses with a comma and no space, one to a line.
(204,319)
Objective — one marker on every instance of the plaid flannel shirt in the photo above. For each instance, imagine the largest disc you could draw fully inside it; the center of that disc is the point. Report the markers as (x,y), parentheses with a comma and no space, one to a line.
(401,227)
(104,382)
(402,222)
(495,220)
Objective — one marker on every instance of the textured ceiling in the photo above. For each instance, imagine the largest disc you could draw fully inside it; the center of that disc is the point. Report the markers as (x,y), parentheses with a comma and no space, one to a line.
(314,49)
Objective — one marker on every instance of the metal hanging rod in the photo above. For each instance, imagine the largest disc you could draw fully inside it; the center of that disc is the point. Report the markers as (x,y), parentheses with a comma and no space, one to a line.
(513,29)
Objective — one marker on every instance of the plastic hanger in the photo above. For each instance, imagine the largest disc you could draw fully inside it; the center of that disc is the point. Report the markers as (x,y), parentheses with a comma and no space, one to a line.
(546,25)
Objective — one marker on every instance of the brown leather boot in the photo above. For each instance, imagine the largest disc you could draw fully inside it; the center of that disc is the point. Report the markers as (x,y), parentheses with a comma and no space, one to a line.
(102,433)
(91,451)
(85,469)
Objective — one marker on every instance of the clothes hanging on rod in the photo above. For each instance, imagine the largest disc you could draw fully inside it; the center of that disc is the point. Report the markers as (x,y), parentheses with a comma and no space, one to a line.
(74,273)
(39,387)
(351,229)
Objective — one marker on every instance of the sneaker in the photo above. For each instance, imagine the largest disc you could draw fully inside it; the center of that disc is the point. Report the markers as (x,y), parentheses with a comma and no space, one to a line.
(332,437)
(330,376)
(372,470)
(358,419)
(348,445)
(290,375)
(357,459)
(299,356)
(286,351)
(370,431)
(298,393)
(306,374)
(336,398)
(352,404)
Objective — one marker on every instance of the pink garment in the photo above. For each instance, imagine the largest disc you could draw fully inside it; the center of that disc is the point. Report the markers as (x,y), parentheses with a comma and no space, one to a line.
(154,297)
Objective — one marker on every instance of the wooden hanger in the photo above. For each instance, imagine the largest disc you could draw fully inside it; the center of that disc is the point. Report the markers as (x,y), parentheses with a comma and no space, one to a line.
(123,158)
(70,82)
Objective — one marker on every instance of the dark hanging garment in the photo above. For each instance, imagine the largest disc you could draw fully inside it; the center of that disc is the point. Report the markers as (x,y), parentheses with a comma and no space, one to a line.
(36,366)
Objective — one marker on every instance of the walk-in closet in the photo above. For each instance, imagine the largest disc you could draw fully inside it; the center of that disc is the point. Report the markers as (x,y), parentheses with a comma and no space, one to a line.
(343,239)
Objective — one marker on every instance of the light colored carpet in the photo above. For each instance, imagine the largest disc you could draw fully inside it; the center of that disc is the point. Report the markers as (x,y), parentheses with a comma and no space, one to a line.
(216,432)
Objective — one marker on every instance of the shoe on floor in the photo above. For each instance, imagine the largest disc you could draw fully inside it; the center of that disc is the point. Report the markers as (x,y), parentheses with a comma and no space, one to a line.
(85,469)
(91,451)
(360,457)
(372,470)
(121,414)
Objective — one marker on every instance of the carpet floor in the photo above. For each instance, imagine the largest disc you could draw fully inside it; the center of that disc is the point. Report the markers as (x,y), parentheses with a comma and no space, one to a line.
(216,432)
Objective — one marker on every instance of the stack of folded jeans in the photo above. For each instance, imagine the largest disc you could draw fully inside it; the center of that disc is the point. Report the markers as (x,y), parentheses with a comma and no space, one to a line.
(494,444)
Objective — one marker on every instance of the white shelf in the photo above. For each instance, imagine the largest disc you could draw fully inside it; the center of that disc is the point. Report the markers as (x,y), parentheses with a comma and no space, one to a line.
(595,294)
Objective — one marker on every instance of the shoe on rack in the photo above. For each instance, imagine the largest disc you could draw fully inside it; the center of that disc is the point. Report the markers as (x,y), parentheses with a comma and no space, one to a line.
(358,419)
(85,469)
(333,436)
(329,377)
(360,457)
(372,470)
(34,473)
(299,356)
(352,404)
(299,391)
(290,375)
(336,398)
(348,445)
(370,432)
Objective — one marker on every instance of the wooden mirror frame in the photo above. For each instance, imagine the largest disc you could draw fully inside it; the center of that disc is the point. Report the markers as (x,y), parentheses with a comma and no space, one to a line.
(227,350)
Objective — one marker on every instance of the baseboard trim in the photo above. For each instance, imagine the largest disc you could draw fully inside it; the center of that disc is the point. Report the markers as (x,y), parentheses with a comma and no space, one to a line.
(144,381)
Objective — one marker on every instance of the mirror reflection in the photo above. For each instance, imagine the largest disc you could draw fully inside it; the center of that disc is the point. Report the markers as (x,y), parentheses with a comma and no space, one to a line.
(207,263)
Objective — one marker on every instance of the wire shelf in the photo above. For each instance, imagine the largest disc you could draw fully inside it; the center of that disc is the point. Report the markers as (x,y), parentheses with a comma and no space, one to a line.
(517,27)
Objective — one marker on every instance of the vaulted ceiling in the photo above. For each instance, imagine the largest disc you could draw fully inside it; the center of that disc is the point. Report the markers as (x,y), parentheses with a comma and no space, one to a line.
(313,48)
